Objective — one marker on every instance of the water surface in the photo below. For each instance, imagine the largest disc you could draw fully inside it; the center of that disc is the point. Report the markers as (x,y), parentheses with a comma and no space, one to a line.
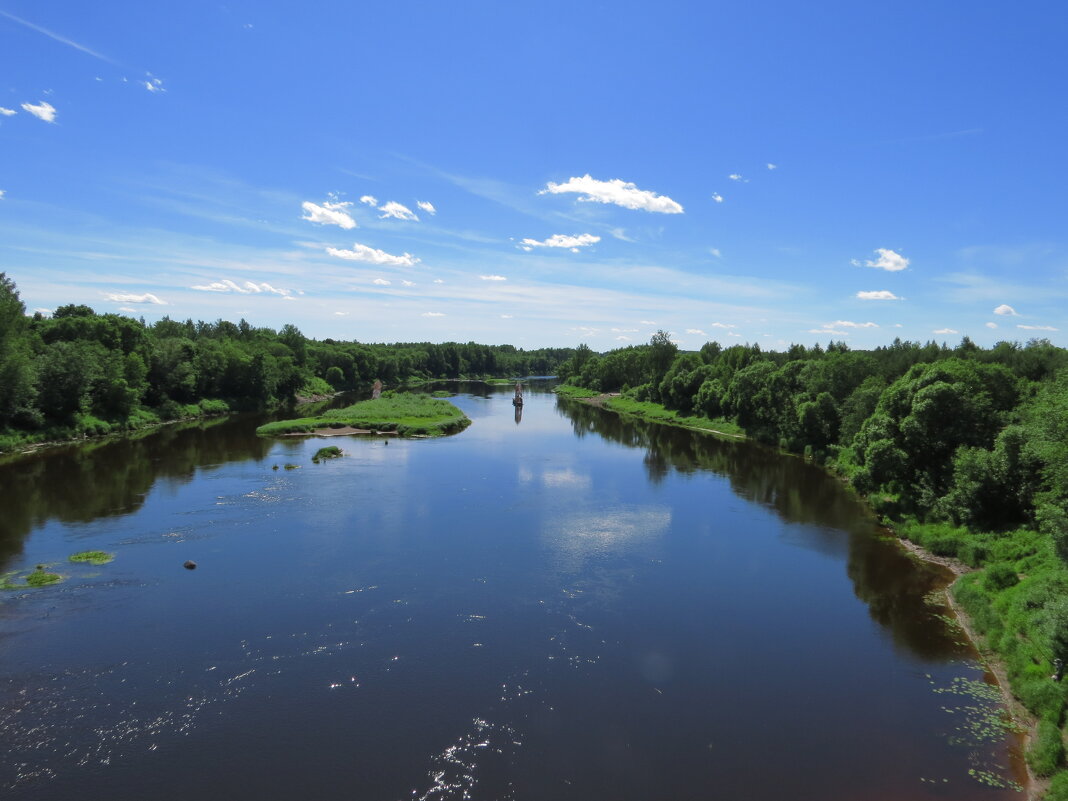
(566,606)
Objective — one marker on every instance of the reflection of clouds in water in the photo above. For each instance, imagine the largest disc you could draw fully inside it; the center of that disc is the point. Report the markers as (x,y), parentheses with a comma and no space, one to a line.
(566,479)
(525,475)
(577,538)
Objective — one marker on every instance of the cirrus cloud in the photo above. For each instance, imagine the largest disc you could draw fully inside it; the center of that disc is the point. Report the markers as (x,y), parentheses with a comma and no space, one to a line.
(1037,327)
(617,192)
(373,256)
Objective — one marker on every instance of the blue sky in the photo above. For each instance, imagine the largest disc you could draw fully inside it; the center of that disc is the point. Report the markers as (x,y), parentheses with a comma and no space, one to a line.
(543,174)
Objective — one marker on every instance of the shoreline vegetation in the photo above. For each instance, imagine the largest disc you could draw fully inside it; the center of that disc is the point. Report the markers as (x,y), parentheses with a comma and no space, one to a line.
(961,452)
(400,414)
(77,374)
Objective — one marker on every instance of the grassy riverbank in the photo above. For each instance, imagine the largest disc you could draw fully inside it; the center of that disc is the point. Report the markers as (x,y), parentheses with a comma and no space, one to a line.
(405,414)
(654,412)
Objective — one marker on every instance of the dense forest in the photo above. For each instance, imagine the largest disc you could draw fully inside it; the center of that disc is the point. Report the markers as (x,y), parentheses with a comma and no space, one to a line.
(78,372)
(963,450)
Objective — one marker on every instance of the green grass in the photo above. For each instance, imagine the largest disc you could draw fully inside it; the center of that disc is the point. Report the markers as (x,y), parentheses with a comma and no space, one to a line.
(570,391)
(656,413)
(92,557)
(406,413)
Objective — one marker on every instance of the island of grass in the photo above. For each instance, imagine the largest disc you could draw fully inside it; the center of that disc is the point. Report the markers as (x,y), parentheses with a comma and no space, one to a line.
(92,557)
(406,415)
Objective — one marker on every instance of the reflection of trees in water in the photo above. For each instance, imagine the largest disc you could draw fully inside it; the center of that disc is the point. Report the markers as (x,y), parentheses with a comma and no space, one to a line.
(80,483)
(885,578)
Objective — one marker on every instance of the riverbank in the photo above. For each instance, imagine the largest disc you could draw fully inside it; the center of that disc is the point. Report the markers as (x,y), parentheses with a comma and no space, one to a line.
(976,600)
(653,412)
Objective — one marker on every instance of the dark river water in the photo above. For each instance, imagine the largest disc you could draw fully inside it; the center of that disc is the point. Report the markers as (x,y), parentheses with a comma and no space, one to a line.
(570,606)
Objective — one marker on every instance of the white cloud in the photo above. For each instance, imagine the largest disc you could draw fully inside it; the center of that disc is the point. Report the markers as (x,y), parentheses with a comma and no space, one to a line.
(772,166)
(127,297)
(329,213)
(715,252)
(433,314)
(888,260)
(506,316)
(621,233)
(737,177)
(7,112)
(625,330)
(563,241)
(696,331)
(153,84)
(878,294)
(493,278)
(732,334)
(945,331)
(622,338)
(45,312)
(438,281)
(373,256)
(248,288)
(341,314)
(1038,327)
(3,192)
(1006,309)
(426,206)
(991,325)
(646,322)
(396,210)
(724,325)
(369,200)
(849,324)
(717,197)
(827,330)
(45,111)
(381,282)
(408,283)
(616,191)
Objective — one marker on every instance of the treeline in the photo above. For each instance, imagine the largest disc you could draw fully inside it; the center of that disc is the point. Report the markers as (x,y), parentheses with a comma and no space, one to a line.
(964,450)
(78,372)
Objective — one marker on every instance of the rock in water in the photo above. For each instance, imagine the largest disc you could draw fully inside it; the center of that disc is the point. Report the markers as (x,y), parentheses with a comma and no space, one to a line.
(190,565)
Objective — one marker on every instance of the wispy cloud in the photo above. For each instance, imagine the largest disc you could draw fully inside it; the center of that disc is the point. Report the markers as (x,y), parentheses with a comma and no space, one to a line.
(617,192)
(396,211)
(1037,327)
(715,252)
(572,243)
(329,213)
(7,112)
(696,332)
(129,297)
(56,37)
(721,325)
(493,278)
(945,331)
(717,197)
(850,324)
(381,282)
(1007,310)
(827,330)
(433,314)
(246,288)
(734,176)
(772,166)
(888,260)
(369,200)
(43,111)
(153,84)
(426,206)
(878,294)
(373,256)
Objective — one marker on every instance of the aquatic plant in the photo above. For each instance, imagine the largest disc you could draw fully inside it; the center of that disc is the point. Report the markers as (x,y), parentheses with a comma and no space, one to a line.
(329,452)
(92,557)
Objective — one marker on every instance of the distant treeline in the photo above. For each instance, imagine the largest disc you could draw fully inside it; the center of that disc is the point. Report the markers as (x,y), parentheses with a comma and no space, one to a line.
(964,450)
(79,372)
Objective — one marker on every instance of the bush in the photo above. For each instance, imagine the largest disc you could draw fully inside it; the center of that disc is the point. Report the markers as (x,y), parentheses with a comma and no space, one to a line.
(1058,788)
(1000,577)
(1047,752)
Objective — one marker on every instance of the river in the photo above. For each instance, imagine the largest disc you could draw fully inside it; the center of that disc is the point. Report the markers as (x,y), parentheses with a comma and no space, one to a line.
(569,606)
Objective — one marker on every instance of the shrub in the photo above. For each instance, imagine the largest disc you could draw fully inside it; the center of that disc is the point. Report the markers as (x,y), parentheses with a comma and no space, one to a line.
(1047,752)
(1000,577)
